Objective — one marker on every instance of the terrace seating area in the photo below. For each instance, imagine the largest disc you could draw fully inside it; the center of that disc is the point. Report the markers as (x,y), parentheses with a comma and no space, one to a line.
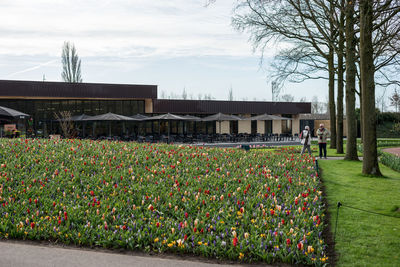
(200,138)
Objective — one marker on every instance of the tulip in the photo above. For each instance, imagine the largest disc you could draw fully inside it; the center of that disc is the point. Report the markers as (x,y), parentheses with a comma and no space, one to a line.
(235,241)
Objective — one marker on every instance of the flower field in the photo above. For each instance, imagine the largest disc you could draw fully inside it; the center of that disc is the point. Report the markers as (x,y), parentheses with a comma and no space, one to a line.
(220,203)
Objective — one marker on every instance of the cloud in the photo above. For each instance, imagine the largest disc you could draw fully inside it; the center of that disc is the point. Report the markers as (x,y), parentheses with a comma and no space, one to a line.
(131,28)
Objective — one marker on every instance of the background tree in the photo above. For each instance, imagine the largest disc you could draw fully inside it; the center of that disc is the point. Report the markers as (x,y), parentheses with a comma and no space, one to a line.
(71,64)
(317,107)
(184,93)
(287,98)
(230,94)
(66,123)
(395,100)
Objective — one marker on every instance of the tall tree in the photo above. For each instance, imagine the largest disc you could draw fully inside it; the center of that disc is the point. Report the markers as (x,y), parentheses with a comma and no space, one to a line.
(230,94)
(351,72)
(71,64)
(184,93)
(340,82)
(367,69)
(302,23)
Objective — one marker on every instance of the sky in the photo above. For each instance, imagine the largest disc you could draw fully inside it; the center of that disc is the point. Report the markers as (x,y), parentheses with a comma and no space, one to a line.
(176,44)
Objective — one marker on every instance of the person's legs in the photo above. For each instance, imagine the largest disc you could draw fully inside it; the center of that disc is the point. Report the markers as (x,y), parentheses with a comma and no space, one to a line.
(324,150)
(303,150)
(309,150)
(320,149)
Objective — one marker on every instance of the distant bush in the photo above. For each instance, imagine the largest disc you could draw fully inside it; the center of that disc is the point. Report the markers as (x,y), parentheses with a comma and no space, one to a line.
(382,117)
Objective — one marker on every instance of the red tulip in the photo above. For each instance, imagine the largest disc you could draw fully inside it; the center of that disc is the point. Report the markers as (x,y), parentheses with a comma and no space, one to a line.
(235,241)
(186,214)
(32,225)
(272,212)
(207,214)
(300,246)
(288,242)
(185,237)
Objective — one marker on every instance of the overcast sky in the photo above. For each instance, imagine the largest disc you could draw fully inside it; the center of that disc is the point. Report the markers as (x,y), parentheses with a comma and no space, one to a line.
(174,44)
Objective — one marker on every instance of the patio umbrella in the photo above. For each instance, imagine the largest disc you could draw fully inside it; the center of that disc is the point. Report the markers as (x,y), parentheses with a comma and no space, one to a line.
(139,117)
(221,117)
(109,117)
(167,117)
(266,117)
(9,112)
(191,118)
(81,117)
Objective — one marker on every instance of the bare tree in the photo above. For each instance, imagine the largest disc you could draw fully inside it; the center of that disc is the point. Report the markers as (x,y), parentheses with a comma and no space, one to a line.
(395,100)
(287,98)
(230,94)
(317,107)
(66,124)
(305,24)
(184,93)
(71,64)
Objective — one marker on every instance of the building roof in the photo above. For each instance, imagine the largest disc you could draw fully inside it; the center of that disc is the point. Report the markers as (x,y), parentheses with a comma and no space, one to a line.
(229,107)
(314,116)
(57,90)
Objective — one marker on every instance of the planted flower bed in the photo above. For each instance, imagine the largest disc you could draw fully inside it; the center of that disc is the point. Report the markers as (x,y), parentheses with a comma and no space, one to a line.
(220,203)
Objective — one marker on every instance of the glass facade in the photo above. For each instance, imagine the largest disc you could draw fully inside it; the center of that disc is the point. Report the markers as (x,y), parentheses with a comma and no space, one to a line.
(44,122)
(287,124)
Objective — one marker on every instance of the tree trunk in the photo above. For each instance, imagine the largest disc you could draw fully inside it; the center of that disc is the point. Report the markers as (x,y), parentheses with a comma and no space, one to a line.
(351,120)
(339,101)
(361,114)
(332,111)
(370,160)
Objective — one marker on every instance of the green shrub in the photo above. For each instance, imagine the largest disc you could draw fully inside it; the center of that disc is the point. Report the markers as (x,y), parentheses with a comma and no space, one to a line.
(390,160)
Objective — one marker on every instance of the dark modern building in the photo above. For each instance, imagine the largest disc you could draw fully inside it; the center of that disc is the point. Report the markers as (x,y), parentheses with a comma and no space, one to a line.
(42,99)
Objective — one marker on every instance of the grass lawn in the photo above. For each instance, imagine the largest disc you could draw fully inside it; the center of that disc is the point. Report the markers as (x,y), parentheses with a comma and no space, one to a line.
(363,239)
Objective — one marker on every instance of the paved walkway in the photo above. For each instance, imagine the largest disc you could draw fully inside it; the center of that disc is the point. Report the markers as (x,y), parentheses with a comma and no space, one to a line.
(393,150)
(23,254)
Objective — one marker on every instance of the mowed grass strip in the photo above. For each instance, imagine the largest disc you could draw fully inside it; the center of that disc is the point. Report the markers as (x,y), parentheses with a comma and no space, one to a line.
(363,239)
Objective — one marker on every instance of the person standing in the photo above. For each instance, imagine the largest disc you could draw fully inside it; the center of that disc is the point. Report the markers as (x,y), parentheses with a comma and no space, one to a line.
(322,134)
(306,140)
